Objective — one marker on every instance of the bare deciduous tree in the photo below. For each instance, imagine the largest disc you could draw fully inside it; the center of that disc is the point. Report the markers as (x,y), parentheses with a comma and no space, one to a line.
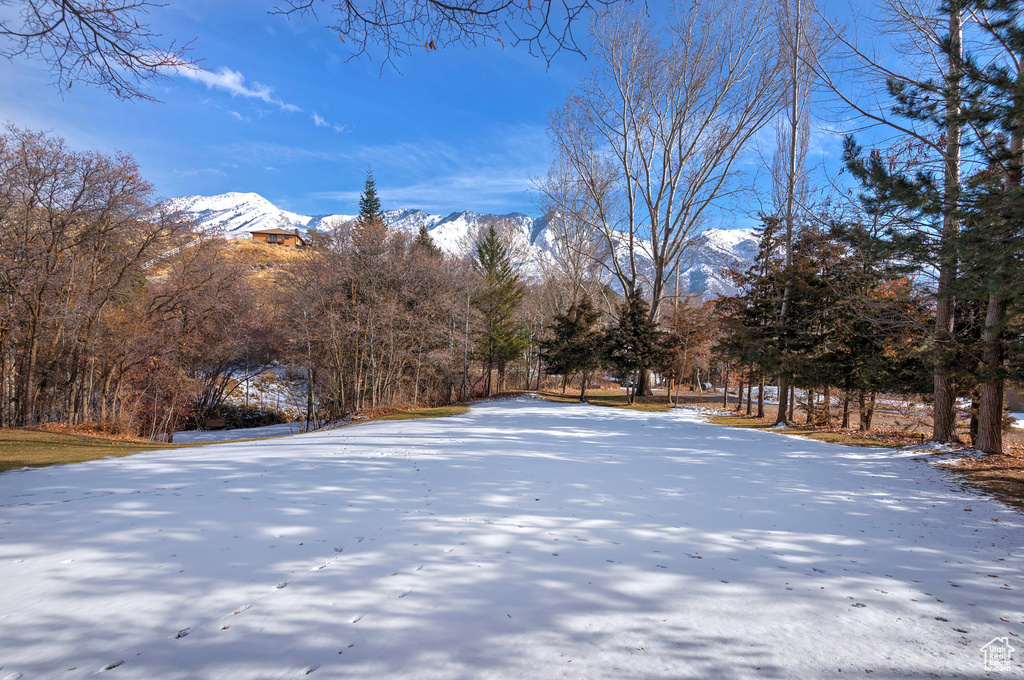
(111,44)
(577,262)
(545,26)
(106,43)
(789,177)
(653,133)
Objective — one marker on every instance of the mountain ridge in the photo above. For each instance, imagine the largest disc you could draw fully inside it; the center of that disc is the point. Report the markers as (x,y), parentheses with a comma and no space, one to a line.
(235,214)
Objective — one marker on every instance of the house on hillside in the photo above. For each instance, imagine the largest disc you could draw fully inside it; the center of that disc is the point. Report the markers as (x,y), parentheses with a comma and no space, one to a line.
(280,237)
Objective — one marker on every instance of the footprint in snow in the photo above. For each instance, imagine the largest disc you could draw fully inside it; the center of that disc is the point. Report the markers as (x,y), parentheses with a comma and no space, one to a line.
(357,618)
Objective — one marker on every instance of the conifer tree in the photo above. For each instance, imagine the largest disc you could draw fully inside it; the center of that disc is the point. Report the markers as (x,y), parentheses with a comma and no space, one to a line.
(852,323)
(923,206)
(994,239)
(501,337)
(369,202)
(574,344)
(633,344)
(425,243)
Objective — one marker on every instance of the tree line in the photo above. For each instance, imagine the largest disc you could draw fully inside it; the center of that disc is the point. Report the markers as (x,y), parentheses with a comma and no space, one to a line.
(901,274)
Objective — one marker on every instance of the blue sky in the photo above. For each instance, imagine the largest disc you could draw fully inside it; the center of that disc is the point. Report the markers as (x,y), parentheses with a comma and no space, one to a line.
(280,111)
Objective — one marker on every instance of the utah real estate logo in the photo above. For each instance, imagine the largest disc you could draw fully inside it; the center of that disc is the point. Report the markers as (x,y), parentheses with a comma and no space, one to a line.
(998,654)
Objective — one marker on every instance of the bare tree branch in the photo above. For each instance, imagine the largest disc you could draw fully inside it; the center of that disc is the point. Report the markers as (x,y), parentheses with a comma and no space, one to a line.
(106,43)
(545,27)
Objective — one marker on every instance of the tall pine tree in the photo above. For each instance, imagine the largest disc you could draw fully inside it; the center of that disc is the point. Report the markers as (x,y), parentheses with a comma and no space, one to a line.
(633,344)
(501,337)
(994,105)
(369,202)
(573,346)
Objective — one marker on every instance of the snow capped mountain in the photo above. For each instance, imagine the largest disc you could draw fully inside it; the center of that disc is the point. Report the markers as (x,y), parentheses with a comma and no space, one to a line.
(234,215)
(710,253)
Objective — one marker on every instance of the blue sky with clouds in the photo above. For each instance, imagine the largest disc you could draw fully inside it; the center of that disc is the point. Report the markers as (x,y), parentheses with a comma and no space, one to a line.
(281,111)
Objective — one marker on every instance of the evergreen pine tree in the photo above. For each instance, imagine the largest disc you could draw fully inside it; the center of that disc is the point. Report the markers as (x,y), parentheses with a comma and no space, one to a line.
(923,206)
(369,202)
(424,243)
(369,233)
(574,344)
(501,337)
(633,345)
(994,239)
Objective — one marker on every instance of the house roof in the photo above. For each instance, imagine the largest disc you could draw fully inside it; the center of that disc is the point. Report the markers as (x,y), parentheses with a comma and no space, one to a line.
(282,232)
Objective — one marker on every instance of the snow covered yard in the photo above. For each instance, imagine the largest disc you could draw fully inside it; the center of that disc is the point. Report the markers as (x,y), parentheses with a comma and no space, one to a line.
(522,540)
(204,436)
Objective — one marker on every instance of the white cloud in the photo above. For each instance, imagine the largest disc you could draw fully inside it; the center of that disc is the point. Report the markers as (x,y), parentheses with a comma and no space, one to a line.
(320,122)
(233,82)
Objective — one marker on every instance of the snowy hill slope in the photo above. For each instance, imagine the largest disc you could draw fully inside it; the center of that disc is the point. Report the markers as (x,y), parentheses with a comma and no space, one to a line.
(236,214)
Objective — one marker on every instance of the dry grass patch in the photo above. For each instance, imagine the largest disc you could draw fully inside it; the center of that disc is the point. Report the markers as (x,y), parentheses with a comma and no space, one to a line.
(440,412)
(834,435)
(1000,475)
(37,447)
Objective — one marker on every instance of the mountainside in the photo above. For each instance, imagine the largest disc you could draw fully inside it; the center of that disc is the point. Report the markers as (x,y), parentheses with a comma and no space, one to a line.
(236,214)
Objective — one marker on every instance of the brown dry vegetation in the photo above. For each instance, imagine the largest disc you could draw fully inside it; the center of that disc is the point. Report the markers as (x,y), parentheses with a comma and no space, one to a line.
(38,447)
(62,444)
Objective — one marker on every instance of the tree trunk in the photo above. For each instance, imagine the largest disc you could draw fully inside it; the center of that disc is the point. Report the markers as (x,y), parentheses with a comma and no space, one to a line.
(990,407)
(973,430)
(643,386)
(780,417)
(725,389)
(792,401)
(760,398)
(846,409)
(810,407)
(944,419)
(750,392)
(310,377)
(416,387)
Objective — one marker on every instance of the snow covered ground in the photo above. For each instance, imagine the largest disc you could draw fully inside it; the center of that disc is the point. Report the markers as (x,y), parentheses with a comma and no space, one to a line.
(521,540)
(1020,419)
(203,436)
